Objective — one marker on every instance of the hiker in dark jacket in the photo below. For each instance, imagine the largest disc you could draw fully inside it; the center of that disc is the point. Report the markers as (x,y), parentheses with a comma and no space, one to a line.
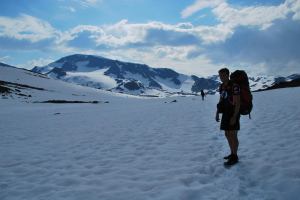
(229,106)
(202,94)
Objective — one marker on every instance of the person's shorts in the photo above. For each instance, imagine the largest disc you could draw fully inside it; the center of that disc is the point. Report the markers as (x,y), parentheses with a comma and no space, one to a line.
(225,122)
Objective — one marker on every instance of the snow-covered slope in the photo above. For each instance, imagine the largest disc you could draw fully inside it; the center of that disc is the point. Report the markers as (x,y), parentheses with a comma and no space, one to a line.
(118,76)
(261,82)
(157,149)
(29,86)
(91,79)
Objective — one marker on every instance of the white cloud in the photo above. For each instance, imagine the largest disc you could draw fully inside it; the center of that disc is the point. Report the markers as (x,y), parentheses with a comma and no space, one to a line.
(261,16)
(37,62)
(26,27)
(131,42)
(232,17)
(123,33)
(294,5)
(173,53)
(113,36)
(213,34)
(199,5)
(70,9)
(116,35)
(88,3)
(4,58)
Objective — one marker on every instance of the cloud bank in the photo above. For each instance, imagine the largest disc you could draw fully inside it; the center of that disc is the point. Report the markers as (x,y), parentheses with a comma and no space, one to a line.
(254,36)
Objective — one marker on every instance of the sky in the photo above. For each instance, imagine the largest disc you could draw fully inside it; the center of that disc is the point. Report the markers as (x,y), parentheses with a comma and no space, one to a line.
(192,36)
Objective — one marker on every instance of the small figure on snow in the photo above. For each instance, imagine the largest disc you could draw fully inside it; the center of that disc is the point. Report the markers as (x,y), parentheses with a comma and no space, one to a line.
(202,94)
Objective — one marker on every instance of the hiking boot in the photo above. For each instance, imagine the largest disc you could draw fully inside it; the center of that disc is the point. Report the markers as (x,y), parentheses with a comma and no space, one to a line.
(227,157)
(232,160)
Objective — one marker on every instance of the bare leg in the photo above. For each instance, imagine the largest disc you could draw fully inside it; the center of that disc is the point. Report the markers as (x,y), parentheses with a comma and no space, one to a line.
(234,141)
(229,140)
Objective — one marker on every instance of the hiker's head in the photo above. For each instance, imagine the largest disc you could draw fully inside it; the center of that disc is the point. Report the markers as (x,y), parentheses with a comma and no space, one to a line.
(224,74)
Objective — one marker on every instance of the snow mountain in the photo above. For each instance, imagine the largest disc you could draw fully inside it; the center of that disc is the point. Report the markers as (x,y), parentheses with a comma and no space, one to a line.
(118,76)
(139,79)
(266,83)
(28,86)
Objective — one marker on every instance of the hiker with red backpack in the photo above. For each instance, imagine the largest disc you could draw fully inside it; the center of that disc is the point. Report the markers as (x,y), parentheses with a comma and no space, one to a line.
(235,99)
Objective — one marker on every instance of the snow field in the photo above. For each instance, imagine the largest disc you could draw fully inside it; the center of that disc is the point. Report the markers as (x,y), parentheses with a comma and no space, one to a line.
(148,149)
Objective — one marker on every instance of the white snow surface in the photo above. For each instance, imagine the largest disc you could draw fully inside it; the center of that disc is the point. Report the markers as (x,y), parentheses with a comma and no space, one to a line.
(137,77)
(167,84)
(96,76)
(187,83)
(53,89)
(144,149)
(261,82)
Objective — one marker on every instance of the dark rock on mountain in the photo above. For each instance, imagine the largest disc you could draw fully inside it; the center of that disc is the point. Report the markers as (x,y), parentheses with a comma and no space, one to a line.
(70,63)
(4,89)
(294,76)
(133,85)
(293,83)
(119,81)
(203,84)
(214,77)
(114,71)
(57,72)
(36,69)
(255,79)
(279,79)
(166,73)
(154,84)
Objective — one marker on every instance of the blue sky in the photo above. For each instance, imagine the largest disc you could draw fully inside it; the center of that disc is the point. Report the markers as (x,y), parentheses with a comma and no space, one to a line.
(191,36)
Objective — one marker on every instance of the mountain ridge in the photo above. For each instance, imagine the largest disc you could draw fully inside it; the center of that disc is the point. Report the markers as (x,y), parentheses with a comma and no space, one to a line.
(132,78)
(139,79)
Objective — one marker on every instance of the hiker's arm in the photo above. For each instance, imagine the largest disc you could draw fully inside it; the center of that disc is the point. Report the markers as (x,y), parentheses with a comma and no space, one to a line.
(217,113)
(218,103)
(237,104)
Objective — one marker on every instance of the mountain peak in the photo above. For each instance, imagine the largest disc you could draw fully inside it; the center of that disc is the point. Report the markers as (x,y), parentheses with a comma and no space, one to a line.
(82,56)
(101,72)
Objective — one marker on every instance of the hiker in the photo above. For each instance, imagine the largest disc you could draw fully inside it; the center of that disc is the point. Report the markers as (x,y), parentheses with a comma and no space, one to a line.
(229,106)
(202,94)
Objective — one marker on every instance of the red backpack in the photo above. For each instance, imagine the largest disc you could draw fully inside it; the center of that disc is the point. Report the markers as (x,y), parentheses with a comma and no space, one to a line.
(240,77)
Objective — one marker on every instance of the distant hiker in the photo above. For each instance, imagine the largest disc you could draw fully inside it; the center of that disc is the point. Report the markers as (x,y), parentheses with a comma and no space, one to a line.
(229,106)
(202,94)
